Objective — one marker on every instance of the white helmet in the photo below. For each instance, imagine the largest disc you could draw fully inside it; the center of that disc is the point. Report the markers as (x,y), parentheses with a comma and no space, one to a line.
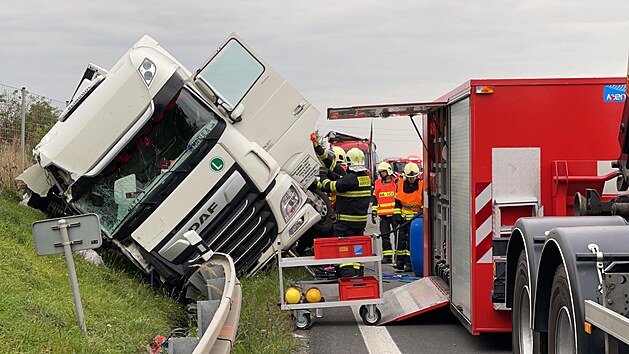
(356,160)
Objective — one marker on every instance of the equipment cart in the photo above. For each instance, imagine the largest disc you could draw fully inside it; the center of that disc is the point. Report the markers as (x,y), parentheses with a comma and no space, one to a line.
(302,312)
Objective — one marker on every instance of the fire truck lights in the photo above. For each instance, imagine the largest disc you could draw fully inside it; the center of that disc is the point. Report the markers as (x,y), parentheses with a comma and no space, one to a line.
(484,90)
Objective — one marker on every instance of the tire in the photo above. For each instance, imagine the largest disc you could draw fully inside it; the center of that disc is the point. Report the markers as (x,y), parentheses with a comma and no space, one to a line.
(302,319)
(562,332)
(324,226)
(370,320)
(521,334)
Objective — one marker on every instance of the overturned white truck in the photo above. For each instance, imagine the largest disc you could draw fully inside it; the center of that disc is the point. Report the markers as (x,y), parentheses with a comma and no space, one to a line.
(156,150)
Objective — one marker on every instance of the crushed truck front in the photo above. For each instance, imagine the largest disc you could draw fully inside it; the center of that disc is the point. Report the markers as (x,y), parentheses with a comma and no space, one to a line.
(157,150)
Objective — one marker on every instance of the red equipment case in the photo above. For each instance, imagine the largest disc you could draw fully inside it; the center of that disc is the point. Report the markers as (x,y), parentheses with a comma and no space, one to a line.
(342,247)
(358,288)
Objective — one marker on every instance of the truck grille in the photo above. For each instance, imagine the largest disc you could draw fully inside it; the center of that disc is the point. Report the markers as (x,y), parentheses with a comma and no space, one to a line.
(241,225)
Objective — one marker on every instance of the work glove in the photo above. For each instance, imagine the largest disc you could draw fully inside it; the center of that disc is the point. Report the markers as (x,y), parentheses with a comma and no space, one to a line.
(313,138)
(397,219)
(373,217)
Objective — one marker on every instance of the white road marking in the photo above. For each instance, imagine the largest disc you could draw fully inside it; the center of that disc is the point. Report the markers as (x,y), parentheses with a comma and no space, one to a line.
(377,338)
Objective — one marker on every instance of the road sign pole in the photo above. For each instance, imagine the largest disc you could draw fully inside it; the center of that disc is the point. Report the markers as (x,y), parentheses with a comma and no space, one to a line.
(74,283)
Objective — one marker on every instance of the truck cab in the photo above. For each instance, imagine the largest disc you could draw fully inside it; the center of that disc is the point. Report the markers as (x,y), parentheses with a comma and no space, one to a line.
(157,150)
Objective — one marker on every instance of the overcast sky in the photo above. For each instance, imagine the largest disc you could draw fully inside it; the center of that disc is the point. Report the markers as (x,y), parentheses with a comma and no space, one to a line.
(336,53)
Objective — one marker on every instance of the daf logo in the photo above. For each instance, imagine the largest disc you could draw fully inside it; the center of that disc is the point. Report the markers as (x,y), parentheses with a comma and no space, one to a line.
(204,216)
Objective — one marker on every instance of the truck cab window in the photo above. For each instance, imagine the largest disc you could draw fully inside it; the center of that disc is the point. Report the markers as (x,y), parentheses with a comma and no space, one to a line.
(160,146)
(231,73)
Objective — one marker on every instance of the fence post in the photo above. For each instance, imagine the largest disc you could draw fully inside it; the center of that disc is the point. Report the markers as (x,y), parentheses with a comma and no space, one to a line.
(23,132)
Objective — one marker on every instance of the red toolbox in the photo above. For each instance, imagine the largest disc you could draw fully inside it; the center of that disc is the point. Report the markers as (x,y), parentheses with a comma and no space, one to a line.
(358,288)
(342,247)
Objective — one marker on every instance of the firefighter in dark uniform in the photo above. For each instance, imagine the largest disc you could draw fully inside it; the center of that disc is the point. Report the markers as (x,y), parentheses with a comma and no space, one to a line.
(353,196)
(408,202)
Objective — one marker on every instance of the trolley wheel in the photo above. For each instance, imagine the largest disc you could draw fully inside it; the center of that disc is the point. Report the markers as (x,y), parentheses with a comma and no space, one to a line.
(371,320)
(302,319)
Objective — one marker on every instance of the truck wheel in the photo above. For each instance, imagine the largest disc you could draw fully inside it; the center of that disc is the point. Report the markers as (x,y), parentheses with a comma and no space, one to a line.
(562,331)
(323,205)
(522,333)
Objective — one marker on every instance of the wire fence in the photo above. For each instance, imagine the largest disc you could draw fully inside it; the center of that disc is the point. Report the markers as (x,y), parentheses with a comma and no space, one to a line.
(25,111)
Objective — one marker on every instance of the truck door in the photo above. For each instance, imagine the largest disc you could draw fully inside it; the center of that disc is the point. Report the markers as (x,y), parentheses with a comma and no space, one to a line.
(259,102)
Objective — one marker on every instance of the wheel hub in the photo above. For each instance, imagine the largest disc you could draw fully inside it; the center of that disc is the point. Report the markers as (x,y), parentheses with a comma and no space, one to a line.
(564,335)
(525,331)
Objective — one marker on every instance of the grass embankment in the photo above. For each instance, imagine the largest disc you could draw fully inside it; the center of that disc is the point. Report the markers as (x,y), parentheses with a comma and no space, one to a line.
(264,328)
(122,313)
(37,308)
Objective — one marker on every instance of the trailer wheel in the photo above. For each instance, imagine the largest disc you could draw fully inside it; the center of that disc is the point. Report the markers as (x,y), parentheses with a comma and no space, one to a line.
(522,333)
(562,331)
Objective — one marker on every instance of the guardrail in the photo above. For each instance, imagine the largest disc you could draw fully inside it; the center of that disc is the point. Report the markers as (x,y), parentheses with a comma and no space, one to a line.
(217,317)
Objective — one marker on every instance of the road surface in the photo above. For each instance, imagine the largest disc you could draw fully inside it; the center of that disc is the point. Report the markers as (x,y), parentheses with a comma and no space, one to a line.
(341,330)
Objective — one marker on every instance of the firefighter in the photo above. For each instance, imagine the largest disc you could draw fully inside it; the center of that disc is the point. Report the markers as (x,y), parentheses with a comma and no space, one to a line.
(408,202)
(353,195)
(383,206)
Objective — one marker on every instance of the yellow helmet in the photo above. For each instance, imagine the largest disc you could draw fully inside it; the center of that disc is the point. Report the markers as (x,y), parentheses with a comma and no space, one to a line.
(385,166)
(355,160)
(339,154)
(313,295)
(411,170)
(292,295)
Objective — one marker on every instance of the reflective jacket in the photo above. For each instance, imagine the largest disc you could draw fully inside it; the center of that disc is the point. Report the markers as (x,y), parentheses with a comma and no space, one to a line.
(384,197)
(353,195)
(408,198)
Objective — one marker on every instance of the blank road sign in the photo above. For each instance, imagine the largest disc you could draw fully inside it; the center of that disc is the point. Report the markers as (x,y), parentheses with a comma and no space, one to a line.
(83,232)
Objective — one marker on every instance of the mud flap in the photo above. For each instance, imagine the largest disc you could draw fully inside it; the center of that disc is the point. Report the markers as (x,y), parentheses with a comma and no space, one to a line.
(413,299)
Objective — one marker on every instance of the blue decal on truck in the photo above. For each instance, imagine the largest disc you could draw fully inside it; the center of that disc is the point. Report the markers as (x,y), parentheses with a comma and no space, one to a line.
(615,93)
(358,250)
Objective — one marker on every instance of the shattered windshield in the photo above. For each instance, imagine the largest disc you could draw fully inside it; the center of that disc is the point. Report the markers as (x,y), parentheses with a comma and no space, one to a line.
(164,142)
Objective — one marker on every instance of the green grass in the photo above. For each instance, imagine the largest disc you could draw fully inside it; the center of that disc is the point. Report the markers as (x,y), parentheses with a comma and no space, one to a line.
(122,313)
(263,327)
(37,308)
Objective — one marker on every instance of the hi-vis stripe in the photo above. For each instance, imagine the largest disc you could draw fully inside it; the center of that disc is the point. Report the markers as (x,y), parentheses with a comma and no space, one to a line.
(483,217)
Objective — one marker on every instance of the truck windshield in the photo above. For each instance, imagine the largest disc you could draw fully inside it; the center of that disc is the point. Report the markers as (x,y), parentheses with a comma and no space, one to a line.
(166,141)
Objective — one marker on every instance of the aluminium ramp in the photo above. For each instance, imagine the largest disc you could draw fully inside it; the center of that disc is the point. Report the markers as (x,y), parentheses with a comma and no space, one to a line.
(413,299)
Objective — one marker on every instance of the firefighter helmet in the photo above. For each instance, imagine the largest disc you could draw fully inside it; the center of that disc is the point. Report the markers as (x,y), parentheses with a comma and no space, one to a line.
(355,160)
(339,154)
(411,170)
(385,166)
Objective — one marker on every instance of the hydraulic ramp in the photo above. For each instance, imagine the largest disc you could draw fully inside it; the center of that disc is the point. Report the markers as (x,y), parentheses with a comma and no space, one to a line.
(413,299)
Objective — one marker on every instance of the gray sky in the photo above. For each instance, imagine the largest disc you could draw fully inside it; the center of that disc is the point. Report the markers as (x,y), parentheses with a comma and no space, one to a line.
(337,53)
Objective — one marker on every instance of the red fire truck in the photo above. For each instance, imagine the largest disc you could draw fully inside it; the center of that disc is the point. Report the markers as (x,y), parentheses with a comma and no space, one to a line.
(496,151)
(347,141)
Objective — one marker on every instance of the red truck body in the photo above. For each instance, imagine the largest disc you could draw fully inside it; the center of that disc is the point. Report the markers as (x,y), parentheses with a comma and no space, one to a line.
(496,150)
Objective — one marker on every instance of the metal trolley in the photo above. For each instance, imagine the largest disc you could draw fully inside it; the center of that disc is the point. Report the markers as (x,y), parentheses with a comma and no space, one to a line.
(302,312)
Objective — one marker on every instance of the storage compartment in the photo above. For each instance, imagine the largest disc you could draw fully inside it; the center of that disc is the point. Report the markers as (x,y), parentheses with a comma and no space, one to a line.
(342,247)
(358,288)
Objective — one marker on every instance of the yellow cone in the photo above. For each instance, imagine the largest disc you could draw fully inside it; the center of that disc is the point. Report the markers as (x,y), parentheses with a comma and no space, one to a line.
(313,295)
(292,295)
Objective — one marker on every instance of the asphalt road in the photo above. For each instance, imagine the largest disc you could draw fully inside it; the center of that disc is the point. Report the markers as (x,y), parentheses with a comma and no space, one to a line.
(340,330)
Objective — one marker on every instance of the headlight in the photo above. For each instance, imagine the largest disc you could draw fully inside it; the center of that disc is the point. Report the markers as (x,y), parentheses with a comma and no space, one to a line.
(290,203)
